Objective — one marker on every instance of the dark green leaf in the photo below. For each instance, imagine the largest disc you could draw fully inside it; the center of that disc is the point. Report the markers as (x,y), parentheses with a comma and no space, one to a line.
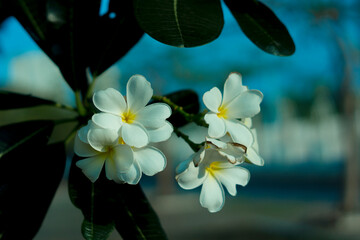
(63,30)
(117,32)
(262,26)
(30,173)
(186,23)
(105,202)
(136,219)
(75,37)
(10,100)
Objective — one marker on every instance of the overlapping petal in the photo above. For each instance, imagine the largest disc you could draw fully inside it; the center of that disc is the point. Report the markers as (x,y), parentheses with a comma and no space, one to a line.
(245,105)
(160,134)
(212,99)
(134,135)
(212,194)
(230,177)
(109,101)
(217,127)
(138,92)
(190,178)
(83,149)
(154,115)
(151,160)
(233,87)
(92,166)
(133,175)
(102,139)
(107,120)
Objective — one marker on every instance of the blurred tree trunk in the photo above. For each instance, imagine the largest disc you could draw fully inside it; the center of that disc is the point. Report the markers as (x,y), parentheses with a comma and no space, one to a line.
(348,104)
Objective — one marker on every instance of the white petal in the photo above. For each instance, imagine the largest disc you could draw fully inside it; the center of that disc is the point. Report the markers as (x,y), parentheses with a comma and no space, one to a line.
(91,167)
(233,87)
(82,133)
(254,157)
(150,159)
(154,115)
(138,93)
(233,152)
(212,99)
(232,176)
(107,120)
(83,149)
(216,143)
(212,194)
(110,169)
(134,135)
(245,105)
(190,178)
(160,134)
(133,175)
(123,157)
(239,132)
(216,125)
(101,139)
(110,101)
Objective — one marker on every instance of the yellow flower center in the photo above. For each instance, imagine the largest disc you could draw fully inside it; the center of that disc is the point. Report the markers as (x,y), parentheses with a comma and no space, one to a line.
(214,166)
(128,117)
(222,112)
(121,140)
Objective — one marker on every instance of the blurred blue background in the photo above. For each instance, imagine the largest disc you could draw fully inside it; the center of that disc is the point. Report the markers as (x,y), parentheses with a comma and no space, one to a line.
(308,129)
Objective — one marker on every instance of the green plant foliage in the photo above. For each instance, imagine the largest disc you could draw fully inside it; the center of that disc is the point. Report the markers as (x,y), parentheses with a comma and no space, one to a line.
(185,23)
(30,173)
(15,100)
(75,37)
(105,203)
(116,33)
(262,27)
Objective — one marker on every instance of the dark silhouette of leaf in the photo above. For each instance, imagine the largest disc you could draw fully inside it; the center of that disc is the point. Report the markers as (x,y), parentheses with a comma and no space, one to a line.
(116,32)
(186,23)
(76,37)
(262,26)
(105,203)
(10,100)
(30,172)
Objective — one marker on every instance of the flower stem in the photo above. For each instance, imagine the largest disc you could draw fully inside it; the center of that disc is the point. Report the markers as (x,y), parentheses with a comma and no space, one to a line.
(195,147)
(189,117)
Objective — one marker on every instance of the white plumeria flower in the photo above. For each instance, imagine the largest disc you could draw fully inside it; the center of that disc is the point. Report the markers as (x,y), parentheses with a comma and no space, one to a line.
(123,163)
(237,102)
(213,171)
(137,123)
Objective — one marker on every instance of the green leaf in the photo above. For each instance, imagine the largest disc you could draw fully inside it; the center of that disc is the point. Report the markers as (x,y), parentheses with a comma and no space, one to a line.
(104,203)
(136,219)
(62,30)
(30,172)
(262,26)
(15,100)
(117,32)
(75,36)
(185,23)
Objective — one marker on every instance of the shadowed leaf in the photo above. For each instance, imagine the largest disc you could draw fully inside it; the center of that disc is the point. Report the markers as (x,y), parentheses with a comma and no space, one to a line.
(185,23)
(104,203)
(262,26)
(30,172)
(15,100)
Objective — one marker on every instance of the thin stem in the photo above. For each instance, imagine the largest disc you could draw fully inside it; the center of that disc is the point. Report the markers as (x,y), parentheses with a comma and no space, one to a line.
(195,147)
(189,117)
(79,104)
(91,85)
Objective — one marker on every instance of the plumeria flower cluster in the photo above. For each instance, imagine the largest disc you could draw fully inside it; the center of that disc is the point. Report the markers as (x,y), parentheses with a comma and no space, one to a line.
(119,135)
(231,141)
